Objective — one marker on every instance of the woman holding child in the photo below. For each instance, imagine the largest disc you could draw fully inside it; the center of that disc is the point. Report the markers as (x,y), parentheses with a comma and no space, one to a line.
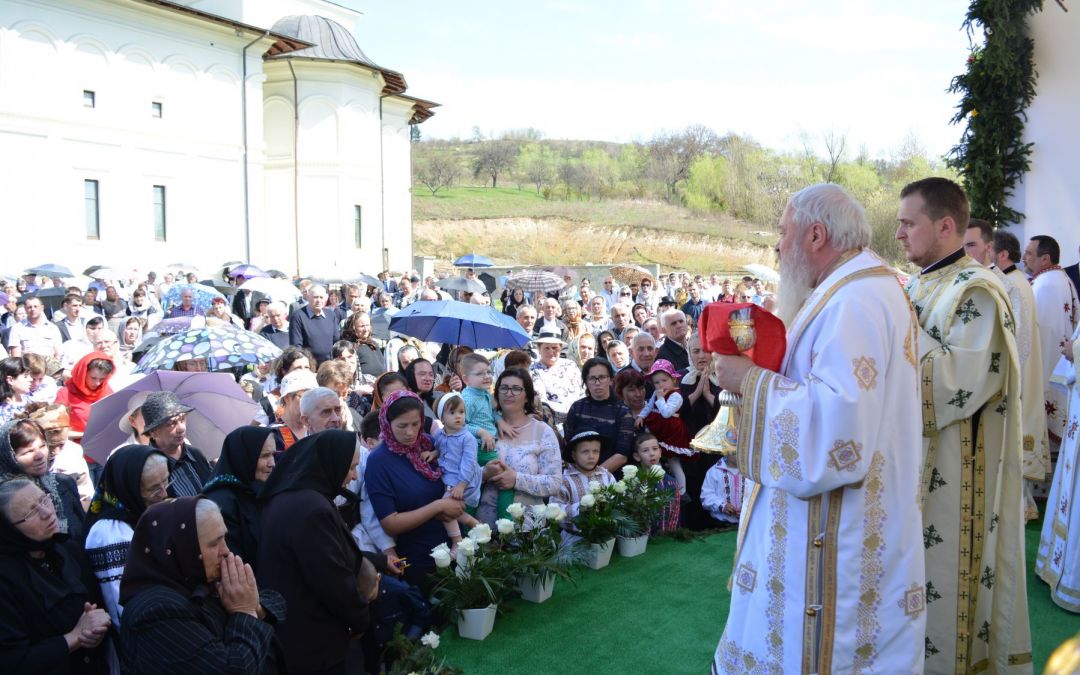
(528,461)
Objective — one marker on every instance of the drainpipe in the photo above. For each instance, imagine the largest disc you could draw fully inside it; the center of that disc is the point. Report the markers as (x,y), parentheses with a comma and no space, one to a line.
(243,131)
(296,164)
(382,191)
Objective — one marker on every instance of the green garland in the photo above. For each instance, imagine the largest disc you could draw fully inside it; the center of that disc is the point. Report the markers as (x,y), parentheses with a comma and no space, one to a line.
(995,91)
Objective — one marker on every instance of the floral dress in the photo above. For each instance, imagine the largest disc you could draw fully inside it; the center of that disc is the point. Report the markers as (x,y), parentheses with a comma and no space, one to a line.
(534,455)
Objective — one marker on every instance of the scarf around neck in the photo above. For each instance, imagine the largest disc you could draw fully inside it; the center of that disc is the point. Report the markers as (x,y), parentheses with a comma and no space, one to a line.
(410,452)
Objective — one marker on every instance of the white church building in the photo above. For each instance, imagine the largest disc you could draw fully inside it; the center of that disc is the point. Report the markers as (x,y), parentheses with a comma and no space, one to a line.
(142,133)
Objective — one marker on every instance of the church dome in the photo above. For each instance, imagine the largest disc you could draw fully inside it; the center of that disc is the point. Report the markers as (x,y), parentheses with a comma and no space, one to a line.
(332,42)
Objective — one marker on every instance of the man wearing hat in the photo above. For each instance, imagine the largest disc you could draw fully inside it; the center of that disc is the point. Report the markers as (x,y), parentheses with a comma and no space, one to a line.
(559,378)
(165,422)
(829,572)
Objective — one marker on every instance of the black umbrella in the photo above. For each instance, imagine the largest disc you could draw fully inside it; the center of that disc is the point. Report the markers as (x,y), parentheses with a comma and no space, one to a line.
(51,298)
(489,281)
(93,268)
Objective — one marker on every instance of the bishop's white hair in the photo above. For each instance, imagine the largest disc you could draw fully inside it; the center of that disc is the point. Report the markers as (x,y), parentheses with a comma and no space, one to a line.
(829,204)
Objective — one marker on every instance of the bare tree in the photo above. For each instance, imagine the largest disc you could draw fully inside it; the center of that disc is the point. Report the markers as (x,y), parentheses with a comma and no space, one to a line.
(835,146)
(671,155)
(437,172)
(494,158)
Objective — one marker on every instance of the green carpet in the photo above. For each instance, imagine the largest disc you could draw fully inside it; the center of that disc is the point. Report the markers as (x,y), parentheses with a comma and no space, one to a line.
(661,612)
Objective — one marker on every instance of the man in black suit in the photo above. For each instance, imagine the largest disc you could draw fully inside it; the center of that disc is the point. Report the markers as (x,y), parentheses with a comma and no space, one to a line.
(673,347)
(549,322)
(243,305)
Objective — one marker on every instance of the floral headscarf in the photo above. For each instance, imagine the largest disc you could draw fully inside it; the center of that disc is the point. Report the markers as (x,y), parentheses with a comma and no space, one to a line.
(411,452)
(10,468)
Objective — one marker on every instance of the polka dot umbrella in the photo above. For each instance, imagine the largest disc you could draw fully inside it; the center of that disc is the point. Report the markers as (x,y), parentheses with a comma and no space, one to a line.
(222,347)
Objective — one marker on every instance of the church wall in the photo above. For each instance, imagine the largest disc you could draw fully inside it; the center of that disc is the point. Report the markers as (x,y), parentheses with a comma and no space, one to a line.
(1049,196)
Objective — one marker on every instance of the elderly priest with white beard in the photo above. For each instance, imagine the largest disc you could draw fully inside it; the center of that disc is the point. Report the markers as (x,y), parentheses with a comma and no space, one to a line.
(829,570)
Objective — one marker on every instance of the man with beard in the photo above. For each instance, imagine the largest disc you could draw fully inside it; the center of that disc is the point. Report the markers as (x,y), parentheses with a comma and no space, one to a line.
(828,570)
(972,492)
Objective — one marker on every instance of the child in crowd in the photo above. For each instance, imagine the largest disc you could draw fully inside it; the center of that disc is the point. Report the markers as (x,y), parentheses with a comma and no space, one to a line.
(392,602)
(481,419)
(647,454)
(456,451)
(368,533)
(661,416)
(581,458)
(723,489)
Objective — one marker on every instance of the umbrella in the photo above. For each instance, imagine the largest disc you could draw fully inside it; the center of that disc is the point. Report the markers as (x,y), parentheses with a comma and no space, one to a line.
(204,296)
(220,286)
(459,323)
(462,284)
(487,280)
(380,321)
(630,274)
(339,279)
(275,289)
(473,260)
(93,268)
(107,273)
(763,272)
(277,274)
(182,267)
(563,271)
(223,347)
(50,270)
(51,298)
(176,325)
(220,406)
(536,281)
(247,271)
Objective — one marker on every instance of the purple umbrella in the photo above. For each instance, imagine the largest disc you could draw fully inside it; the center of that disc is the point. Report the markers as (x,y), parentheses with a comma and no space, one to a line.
(247,272)
(220,406)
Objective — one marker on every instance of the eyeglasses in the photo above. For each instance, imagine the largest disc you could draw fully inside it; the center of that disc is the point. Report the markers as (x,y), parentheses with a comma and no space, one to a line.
(40,510)
(508,389)
(597,379)
(161,488)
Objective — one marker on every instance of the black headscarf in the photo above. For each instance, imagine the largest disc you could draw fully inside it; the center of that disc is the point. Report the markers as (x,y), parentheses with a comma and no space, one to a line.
(14,542)
(165,552)
(10,468)
(239,458)
(318,462)
(119,493)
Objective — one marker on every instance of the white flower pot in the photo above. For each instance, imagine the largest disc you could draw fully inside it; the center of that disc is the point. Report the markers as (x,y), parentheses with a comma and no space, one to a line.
(476,624)
(600,554)
(536,591)
(632,546)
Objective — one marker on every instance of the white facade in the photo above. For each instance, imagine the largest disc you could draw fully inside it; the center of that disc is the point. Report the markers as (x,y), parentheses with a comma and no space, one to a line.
(138,60)
(1049,195)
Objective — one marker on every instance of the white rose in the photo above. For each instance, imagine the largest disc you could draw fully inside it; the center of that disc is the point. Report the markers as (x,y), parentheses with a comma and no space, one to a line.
(468,547)
(560,516)
(587,501)
(505,526)
(539,511)
(657,471)
(601,497)
(629,471)
(619,488)
(431,639)
(516,510)
(481,534)
(441,555)
(553,511)
(594,487)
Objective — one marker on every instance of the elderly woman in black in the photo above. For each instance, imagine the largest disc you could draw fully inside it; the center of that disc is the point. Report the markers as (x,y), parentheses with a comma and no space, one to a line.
(47,621)
(308,554)
(190,606)
(247,458)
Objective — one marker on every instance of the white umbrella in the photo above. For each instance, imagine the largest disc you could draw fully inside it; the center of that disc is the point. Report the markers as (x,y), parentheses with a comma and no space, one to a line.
(275,289)
(763,272)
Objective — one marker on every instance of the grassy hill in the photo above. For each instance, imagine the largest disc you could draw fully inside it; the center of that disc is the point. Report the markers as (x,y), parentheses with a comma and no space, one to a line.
(518,226)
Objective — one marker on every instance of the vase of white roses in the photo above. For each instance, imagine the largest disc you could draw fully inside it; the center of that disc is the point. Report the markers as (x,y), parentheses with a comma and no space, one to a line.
(597,524)
(531,538)
(472,585)
(640,501)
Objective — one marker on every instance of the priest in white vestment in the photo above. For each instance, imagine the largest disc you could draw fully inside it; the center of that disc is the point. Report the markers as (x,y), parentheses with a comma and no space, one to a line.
(828,574)
(972,478)
(1058,314)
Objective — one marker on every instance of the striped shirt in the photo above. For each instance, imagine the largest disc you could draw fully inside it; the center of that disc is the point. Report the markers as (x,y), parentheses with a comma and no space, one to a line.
(575,485)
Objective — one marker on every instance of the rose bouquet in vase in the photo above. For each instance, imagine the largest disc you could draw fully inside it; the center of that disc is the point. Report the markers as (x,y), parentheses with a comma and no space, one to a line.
(473,585)
(407,657)
(597,523)
(640,501)
(532,541)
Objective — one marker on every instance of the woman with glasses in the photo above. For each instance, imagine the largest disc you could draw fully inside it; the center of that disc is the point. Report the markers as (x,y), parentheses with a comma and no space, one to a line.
(135,478)
(48,623)
(529,462)
(601,411)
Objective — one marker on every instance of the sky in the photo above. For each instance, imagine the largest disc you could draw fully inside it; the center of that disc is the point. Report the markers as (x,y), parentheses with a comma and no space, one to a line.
(875,71)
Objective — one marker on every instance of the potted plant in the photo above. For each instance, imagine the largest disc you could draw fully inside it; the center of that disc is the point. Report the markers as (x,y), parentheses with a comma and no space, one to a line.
(597,524)
(473,585)
(408,657)
(533,543)
(640,501)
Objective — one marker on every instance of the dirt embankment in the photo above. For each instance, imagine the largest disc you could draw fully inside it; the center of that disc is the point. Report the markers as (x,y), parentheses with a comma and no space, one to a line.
(544,241)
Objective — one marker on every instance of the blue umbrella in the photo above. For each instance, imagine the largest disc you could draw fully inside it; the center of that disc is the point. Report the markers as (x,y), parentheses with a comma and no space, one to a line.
(473,260)
(204,296)
(459,323)
(50,270)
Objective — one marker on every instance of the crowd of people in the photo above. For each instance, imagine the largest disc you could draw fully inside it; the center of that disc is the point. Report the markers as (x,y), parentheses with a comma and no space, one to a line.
(932,412)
